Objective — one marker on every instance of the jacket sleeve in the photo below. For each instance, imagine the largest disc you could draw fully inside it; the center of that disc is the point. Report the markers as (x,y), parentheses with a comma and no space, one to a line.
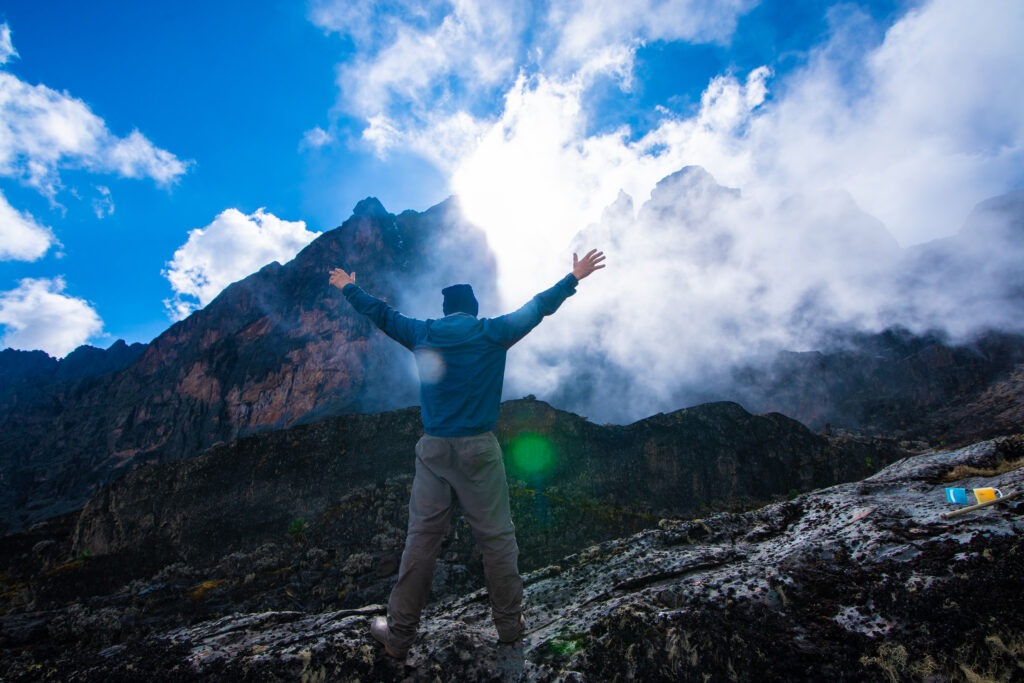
(510,328)
(400,328)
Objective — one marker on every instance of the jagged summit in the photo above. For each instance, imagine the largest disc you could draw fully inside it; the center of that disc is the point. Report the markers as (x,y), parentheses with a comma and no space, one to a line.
(369,208)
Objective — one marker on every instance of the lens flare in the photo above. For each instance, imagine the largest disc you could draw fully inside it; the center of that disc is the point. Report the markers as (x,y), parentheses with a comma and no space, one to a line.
(531,455)
(431,366)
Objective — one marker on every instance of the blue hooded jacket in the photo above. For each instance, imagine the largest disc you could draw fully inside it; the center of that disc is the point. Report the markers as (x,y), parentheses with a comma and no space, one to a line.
(461,358)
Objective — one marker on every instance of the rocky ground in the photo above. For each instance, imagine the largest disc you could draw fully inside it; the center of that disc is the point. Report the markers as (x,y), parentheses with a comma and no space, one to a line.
(859,581)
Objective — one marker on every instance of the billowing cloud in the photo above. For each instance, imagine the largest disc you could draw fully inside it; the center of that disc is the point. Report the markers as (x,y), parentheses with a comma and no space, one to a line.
(535,178)
(911,120)
(904,124)
(230,248)
(22,238)
(39,315)
(821,175)
(427,68)
(429,64)
(915,128)
(581,30)
(701,280)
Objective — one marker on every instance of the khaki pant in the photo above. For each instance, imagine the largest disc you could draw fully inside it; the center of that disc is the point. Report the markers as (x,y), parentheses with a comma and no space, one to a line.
(468,469)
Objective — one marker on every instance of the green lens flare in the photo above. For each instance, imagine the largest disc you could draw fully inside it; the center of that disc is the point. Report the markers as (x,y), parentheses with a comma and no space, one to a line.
(532,454)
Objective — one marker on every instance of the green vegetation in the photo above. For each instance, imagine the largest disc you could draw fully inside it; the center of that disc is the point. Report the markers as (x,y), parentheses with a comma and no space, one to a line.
(297,528)
(565,646)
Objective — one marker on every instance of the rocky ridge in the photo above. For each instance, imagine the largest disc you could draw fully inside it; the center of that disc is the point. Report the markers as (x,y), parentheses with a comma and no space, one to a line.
(859,581)
(897,383)
(239,495)
(337,490)
(312,518)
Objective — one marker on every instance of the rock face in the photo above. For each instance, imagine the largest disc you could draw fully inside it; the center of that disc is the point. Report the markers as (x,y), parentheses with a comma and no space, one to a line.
(574,482)
(859,581)
(897,383)
(276,349)
(313,517)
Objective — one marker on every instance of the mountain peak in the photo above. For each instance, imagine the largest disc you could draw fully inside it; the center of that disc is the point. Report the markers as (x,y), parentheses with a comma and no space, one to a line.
(369,207)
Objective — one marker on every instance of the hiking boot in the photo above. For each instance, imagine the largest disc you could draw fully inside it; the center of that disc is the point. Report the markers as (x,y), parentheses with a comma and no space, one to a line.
(517,637)
(382,634)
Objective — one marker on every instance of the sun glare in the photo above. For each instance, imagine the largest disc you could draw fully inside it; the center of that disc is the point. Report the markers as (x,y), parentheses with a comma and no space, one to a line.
(519,186)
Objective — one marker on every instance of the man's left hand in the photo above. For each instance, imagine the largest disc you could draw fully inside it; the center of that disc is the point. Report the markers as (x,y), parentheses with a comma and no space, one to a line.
(582,267)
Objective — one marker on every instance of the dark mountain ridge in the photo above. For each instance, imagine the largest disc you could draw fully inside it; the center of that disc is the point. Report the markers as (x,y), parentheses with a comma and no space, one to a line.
(677,464)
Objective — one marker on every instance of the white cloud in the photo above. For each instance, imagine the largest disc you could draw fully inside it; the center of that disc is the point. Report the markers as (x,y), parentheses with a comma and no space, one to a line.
(7,50)
(103,205)
(918,139)
(924,133)
(39,315)
(904,125)
(137,157)
(434,62)
(315,138)
(230,248)
(42,131)
(581,29)
(369,22)
(931,112)
(420,65)
(535,178)
(21,237)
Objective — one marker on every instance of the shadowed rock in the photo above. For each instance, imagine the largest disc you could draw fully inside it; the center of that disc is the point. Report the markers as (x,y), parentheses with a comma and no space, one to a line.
(860,581)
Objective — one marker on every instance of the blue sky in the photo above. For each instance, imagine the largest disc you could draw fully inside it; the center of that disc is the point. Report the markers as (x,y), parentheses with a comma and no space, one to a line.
(151,153)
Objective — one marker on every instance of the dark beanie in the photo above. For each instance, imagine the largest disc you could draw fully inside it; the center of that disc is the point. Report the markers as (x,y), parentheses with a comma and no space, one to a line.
(459,299)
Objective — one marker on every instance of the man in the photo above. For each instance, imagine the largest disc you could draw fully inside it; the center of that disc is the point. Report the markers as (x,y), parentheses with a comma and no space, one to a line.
(461,363)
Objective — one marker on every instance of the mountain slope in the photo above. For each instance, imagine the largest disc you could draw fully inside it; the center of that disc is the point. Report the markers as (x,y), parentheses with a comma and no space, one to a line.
(600,481)
(279,348)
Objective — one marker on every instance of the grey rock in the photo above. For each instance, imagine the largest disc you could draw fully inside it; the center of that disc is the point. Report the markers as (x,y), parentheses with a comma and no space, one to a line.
(858,581)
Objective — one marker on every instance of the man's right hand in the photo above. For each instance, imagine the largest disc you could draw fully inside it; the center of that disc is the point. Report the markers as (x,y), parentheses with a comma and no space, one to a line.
(339,278)
(588,264)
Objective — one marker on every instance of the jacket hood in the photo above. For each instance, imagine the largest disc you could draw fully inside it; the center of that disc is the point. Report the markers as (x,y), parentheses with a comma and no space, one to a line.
(453,329)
